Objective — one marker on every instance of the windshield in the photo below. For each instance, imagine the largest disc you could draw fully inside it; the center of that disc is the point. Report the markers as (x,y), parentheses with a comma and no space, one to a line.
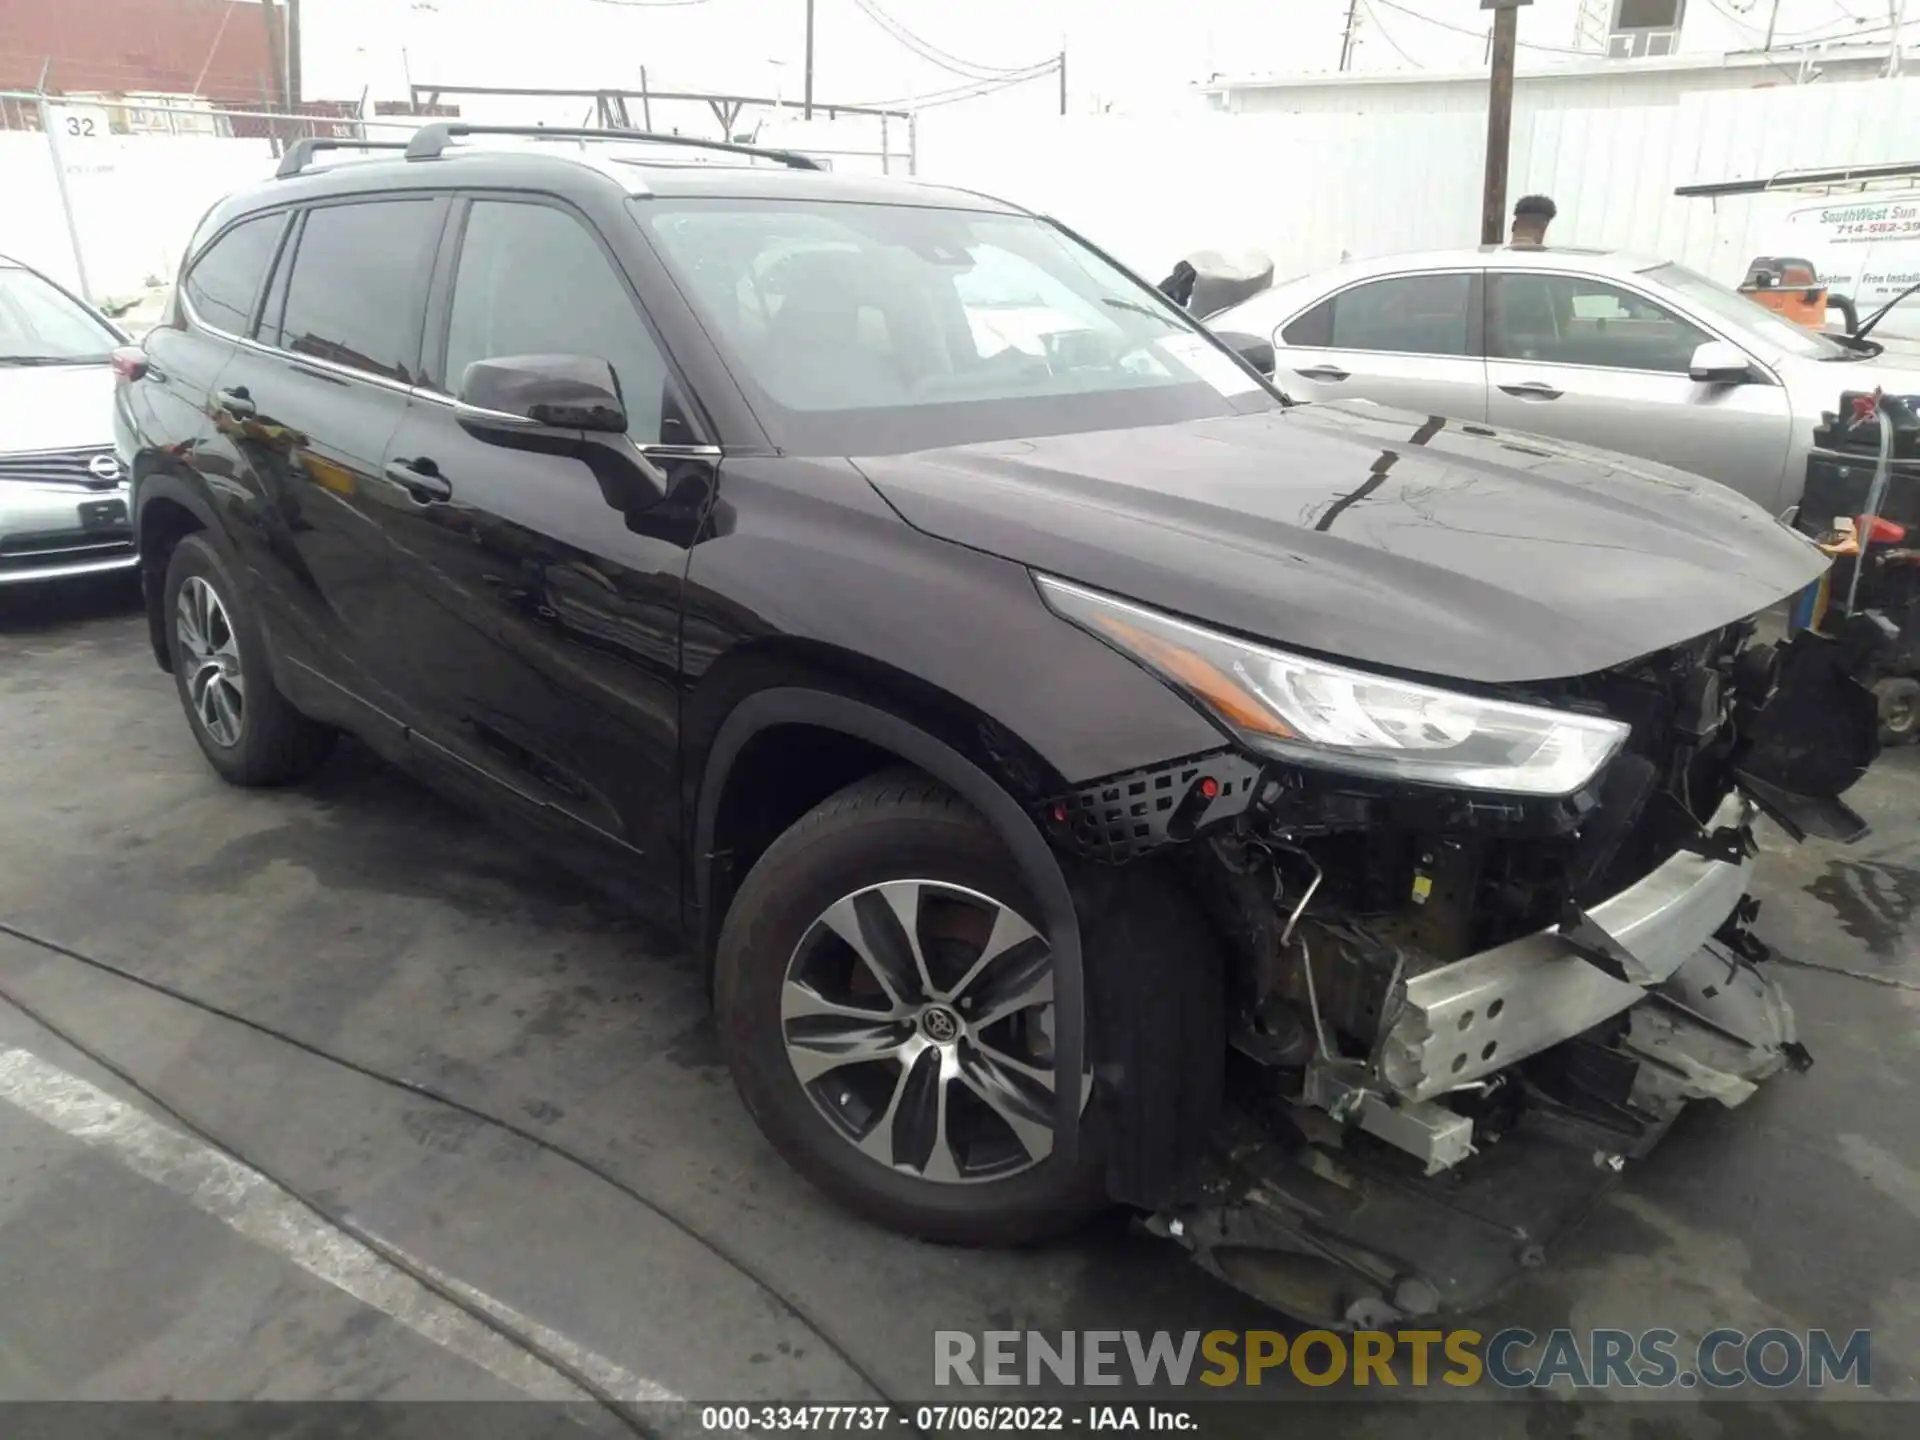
(1734,309)
(863,329)
(40,326)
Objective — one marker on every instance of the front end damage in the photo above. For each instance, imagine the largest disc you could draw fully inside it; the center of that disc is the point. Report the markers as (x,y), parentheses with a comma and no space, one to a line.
(1446,1019)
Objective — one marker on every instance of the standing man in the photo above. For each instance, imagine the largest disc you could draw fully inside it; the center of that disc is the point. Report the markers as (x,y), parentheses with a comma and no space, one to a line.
(1531,216)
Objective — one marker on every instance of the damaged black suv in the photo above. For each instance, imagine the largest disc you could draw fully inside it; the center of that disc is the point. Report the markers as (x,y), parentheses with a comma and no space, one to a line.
(1091,776)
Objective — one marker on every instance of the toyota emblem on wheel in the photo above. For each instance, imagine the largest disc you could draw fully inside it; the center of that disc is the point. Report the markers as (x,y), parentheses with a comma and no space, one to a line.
(104,467)
(940,1025)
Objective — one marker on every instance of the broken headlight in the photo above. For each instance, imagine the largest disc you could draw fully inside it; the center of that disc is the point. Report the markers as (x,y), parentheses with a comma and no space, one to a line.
(1316,713)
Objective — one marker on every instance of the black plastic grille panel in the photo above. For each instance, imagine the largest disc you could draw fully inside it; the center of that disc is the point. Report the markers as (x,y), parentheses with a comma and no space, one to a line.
(1127,815)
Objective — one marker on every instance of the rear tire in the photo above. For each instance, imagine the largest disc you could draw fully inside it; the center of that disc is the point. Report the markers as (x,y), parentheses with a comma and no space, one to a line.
(957,1164)
(1899,697)
(245,727)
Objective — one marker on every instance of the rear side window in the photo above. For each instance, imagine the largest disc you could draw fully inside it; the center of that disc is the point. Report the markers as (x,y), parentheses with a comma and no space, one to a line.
(533,281)
(1407,314)
(359,285)
(225,281)
(1313,328)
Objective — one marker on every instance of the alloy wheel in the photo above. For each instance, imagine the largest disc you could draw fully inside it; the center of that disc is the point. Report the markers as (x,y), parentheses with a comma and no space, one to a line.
(216,686)
(918,1017)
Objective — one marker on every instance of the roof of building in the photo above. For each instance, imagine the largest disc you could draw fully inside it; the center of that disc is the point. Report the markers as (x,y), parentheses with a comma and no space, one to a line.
(1596,67)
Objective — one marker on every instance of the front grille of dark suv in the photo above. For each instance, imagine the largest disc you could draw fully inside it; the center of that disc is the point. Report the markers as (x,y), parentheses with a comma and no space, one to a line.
(62,467)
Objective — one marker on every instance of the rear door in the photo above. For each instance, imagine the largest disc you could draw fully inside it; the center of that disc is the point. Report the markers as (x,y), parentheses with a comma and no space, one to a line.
(313,403)
(539,600)
(1600,363)
(1411,341)
(168,413)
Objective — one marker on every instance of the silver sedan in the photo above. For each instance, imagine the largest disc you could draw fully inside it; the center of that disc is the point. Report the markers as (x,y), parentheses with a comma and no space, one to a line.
(1611,350)
(63,492)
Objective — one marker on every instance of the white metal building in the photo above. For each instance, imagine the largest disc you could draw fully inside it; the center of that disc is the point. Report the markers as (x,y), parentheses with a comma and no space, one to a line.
(1595,84)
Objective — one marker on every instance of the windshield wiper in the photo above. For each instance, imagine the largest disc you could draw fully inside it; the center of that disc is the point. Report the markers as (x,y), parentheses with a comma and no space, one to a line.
(53,359)
(1874,319)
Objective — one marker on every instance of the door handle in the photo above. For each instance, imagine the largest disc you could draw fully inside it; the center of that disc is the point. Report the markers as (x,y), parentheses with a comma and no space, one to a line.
(1322,372)
(421,479)
(236,402)
(1532,390)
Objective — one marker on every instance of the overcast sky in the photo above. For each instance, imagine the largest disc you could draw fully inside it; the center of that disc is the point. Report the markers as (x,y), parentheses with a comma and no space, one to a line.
(1124,53)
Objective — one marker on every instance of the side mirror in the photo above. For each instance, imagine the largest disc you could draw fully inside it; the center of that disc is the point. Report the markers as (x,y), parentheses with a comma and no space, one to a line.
(541,392)
(561,405)
(1256,350)
(1720,363)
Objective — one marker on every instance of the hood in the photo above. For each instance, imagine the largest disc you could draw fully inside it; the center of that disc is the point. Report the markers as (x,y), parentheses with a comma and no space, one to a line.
(1411,544)
(56,407)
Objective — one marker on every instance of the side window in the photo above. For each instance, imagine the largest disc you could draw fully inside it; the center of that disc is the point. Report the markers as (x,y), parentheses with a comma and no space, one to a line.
(1408,314)
(225,281)
(1313,328)
(359,285)
(1564,320)
(533,280)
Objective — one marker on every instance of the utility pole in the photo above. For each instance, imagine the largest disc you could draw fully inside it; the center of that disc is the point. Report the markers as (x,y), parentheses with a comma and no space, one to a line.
(1346,35)
(806,112)
(1493,197)
(276,56)
(293,56)
(1063,82)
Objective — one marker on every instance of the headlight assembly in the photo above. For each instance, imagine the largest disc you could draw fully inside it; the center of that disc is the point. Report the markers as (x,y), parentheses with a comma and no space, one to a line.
(1316,713)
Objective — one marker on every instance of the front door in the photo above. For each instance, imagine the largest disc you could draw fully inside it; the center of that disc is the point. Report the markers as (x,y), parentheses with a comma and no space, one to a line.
(1584,360)
(539,599)
(1410,341)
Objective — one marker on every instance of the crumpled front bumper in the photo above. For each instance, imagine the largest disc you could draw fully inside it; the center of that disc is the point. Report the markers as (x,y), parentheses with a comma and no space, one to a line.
(1464,1021)
(1343,1236)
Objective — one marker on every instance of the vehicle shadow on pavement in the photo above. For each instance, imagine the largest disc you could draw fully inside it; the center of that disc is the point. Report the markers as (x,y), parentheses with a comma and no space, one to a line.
(26,609)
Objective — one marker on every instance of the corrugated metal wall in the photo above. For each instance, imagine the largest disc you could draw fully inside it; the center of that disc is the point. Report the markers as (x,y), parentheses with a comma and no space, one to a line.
(1308,189)
(1312,189)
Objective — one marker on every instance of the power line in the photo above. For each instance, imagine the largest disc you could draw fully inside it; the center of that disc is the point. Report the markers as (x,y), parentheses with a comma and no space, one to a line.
(930,99)
(933,54)
(1387,36)
(1477,34)
(1878,27)
(1739,18)
(1853,17)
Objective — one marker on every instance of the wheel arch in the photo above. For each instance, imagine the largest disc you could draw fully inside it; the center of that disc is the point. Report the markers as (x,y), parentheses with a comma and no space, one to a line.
(168,509)
(818,705)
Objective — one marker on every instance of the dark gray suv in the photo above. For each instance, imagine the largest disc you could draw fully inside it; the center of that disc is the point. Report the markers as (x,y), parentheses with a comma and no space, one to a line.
(1091,776)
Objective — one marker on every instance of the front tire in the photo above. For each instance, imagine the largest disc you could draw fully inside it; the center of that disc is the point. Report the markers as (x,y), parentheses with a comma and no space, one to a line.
(245,727)
(885,1006)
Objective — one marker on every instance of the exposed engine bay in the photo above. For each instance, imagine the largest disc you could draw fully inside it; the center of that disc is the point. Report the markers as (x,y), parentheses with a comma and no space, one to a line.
(1450,1017)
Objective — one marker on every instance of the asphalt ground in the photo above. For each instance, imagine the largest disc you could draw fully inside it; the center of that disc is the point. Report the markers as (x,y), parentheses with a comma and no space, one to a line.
(669,1254)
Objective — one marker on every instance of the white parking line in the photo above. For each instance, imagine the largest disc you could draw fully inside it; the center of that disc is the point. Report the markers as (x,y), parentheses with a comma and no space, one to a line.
(258,1209)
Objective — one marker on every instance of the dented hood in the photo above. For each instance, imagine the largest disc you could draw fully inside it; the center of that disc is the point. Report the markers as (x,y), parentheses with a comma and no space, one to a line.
(1392,540)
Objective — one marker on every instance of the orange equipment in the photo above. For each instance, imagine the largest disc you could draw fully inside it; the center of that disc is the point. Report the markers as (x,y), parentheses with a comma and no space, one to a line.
(1789,287)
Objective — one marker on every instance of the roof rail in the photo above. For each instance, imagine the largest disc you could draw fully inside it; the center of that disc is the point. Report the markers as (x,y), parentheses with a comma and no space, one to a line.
(300,154)
(430,142)
(1789,179)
